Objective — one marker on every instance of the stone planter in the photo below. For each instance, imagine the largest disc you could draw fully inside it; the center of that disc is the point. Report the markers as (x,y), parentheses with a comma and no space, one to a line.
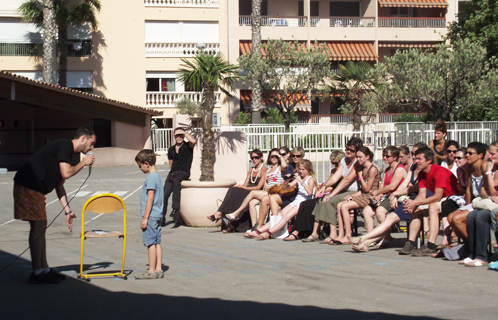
(200,199)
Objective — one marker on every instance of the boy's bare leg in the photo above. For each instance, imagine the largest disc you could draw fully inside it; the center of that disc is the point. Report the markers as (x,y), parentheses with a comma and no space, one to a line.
(159,257)
(152,258)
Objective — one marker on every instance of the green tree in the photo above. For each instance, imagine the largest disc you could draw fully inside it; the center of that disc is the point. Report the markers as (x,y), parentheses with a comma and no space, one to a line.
(358,82)
(444,82)
(189,107)
(289,73)
(65,13)
(478,23)
(274,116)
(256,52)
(208,73)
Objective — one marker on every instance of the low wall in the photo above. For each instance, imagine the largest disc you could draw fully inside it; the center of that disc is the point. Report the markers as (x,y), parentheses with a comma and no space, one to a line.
(110,157)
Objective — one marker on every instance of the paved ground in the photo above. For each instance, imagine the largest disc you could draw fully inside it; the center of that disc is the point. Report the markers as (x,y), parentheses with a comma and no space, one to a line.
(210,275)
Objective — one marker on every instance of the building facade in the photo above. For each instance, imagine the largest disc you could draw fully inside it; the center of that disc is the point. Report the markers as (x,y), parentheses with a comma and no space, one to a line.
(138,47)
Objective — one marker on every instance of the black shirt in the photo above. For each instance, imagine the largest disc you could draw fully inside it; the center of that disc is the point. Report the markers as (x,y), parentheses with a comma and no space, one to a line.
(41,172)
(182,161)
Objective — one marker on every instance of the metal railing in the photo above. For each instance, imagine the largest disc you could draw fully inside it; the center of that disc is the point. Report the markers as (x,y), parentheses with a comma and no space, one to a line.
(275,21)
(20,49)
(318,145)
(338,22)
(412,22)
(79,48)
(181,3)
(168,99)
(183,50)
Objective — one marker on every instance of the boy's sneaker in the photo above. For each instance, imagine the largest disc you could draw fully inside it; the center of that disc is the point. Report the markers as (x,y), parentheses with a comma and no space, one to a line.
(160,274)
(146,275)
(423,251)
(407,249)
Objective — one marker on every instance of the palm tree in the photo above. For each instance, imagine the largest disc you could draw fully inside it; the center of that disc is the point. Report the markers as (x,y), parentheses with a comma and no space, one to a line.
(256,51)
(84,11)
(208,73)
(354,81)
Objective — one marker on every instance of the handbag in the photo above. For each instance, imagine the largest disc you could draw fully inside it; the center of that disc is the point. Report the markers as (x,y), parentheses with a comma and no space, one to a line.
(282,233)
(283,189)
(486,204)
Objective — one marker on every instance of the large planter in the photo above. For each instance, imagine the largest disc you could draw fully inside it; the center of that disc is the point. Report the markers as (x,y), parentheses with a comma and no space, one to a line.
(199,199)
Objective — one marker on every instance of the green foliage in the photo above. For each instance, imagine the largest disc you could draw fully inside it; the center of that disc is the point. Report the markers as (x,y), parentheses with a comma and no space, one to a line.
(288,74)
(189,107)
(274,116)
(443,83)
(243,118)
(405,117)
(479,24)
(359,83)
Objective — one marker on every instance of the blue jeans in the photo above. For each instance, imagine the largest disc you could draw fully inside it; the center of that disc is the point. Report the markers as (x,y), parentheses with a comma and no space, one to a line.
(478,224)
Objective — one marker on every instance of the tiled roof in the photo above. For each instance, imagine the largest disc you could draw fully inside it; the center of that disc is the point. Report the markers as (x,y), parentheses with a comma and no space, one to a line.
(414,3)
(8,75)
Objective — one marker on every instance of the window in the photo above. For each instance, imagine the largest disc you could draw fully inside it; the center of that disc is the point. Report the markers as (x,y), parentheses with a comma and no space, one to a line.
(314,8)
(181,32)
(245,7)
(344,9)
(161,84)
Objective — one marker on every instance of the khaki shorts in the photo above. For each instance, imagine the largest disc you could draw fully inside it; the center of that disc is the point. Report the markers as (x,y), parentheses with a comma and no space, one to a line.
(29,205)
(426,206)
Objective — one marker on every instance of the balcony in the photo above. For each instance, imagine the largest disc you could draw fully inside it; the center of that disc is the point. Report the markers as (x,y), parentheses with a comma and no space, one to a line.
(21,49)
(278,21)
(338,22)
(412,22)
(167,99)
(177,50)
(182,3)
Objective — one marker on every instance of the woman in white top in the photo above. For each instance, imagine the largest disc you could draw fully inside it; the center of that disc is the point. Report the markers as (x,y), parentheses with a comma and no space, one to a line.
(305,180)
(451,150)
(273,177)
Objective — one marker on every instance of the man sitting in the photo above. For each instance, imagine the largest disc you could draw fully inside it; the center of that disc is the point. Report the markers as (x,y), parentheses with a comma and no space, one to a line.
(442,183)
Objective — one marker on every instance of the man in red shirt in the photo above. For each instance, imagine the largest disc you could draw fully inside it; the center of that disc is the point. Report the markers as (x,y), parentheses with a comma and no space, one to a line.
(442,183)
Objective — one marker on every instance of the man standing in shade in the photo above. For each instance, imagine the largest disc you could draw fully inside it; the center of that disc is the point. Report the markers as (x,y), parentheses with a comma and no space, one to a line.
(180,160)
(47,169)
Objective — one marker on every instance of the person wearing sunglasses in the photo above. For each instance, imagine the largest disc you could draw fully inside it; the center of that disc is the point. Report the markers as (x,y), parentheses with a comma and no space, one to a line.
(438,145)
(236,195)
(451,150)
(462,170)
(284,153)
(180,157)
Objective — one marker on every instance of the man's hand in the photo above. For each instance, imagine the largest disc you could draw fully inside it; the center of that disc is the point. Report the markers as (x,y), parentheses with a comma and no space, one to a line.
(88,159)
(394,203)
(409,206)
(326,198)
(143,224)
(69,221)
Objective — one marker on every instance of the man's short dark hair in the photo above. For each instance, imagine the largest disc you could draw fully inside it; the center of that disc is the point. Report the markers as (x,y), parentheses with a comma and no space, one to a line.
(178,128)
(479,147)
(450,143)
(84,131)
(357,143)
(420,145)
(146,155)
(427,152)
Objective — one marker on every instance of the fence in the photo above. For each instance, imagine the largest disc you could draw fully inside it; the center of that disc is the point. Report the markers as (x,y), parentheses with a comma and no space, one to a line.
(318,144)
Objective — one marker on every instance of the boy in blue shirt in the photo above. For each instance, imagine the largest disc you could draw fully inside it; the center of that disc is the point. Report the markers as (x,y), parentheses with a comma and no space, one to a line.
(151,209)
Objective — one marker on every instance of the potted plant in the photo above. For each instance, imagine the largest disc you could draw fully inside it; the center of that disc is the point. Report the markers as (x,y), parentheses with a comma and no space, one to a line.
(206,73)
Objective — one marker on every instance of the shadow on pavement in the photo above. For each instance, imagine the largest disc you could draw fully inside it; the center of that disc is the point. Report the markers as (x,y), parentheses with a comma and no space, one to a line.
(75,299)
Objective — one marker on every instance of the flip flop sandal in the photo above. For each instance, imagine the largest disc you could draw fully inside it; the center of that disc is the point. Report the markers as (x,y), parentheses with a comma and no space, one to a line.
(289,239)
(324,241)
(476,263)
(338,243)
(313,239)
(362,247)
(465,261)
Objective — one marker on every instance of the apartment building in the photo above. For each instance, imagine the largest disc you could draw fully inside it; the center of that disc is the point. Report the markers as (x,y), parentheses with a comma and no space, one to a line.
(137,50)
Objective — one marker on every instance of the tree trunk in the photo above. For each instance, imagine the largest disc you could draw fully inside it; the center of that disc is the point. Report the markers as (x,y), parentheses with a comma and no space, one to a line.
(63,55)
(207,155)
(256,51)
(49,32)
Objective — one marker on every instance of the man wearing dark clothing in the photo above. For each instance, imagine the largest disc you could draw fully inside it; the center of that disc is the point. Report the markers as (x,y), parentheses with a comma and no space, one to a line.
(180,160)
(45,171)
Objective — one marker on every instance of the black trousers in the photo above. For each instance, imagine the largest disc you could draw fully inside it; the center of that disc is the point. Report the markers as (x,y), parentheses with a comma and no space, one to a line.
(172,184)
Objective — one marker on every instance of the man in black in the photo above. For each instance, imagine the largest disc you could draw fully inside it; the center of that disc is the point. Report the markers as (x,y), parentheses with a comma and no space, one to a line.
(45,171)
(180,160)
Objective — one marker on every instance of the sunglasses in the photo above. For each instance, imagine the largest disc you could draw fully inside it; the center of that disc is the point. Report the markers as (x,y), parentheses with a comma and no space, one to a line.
(335,163)
(296,156)
(179,135)
(471,153)
(274,156)
(255,158)
(387,156)
(459,158)
(452,151)
(350,150)
(283,154)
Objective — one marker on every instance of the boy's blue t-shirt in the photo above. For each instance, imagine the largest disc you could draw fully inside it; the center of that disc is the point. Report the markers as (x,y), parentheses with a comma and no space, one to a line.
(153,182)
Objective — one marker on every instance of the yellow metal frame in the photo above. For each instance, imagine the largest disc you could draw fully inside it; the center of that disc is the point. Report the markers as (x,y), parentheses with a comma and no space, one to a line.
(83,236)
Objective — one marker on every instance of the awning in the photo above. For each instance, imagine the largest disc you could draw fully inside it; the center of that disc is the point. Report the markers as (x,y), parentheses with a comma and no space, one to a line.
(408,44)
(352,50)
(246,95)
(245,46)
(414,3)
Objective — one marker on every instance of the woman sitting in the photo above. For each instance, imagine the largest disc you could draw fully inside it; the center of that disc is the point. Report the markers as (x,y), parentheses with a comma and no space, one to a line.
(304,179)
(304,218)
(273,177)
(284,153)
(236,194)
(325,210)
(369,177)
(408,189)
(393,177)
(449,163)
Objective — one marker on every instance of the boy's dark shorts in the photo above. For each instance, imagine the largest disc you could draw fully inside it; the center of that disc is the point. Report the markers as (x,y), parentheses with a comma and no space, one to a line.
(152,235)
